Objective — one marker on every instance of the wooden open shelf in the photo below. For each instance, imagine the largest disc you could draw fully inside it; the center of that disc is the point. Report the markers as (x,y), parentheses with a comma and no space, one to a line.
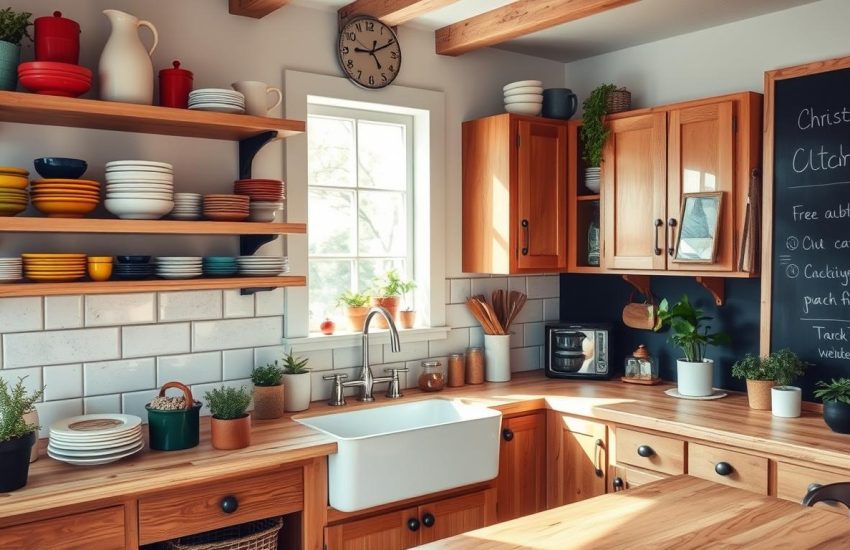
(125,117)
(148,227)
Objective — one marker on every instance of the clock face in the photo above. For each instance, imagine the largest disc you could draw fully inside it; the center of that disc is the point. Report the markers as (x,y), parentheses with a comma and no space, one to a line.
(369,53)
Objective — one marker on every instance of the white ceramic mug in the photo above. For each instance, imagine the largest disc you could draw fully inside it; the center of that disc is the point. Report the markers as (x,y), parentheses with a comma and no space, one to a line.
(257,96)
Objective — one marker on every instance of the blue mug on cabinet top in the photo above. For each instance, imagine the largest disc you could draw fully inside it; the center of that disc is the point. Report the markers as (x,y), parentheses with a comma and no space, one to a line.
(560,103)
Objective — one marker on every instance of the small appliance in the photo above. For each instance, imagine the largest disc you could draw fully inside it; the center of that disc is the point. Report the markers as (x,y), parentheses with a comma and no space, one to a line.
(577,350)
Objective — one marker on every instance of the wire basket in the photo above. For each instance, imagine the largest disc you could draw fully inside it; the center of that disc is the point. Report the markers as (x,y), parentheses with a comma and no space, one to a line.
(256,535)
(619,100)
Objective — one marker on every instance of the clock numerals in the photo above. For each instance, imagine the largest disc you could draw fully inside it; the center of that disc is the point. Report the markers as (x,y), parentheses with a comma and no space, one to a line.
(393,55)
(350,63)
(345,50)
(367,55)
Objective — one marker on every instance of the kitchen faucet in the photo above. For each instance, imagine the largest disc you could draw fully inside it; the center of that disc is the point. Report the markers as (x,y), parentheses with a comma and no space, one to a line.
(366,380)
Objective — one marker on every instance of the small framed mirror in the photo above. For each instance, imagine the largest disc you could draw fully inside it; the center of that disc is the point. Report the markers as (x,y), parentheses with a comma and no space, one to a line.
(697,240)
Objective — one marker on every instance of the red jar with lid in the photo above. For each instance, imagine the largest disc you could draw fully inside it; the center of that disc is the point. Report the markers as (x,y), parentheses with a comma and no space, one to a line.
(57,39)
(174,87)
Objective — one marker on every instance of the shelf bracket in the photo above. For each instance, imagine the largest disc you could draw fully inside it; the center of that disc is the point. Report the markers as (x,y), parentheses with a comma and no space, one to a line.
(248,244)
(716,286)
(248,149)
(253,290)
(641,283)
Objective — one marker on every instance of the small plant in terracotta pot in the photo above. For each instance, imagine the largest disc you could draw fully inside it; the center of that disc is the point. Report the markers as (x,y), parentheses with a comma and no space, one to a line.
(759,380)
(356,306)
(297,384)
(836,404)
(387,294)
(268,391)
(407,316)
(17,436)
(230,424)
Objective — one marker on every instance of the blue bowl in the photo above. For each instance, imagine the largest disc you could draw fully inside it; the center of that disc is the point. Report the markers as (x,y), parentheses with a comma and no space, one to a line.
(56,167)
(133,259)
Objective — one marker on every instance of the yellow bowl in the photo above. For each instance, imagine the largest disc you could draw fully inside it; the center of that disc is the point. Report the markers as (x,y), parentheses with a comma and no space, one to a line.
(64,209)
(98,259)
(14,170)
(13,182)
(100,271)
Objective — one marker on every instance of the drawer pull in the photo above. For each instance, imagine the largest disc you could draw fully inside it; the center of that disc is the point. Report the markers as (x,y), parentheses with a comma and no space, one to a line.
(229,504)
(507,434)
(645,451)
(413,524)
(598,454)
(428,519)
(618,484)
(723,468)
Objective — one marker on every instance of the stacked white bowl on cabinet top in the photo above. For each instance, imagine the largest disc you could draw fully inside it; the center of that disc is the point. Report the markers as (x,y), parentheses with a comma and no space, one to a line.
(93,439)
(179,267)
(11,269)
(268,266)
(219,100)
(187,206)
(139,189)
(524,97)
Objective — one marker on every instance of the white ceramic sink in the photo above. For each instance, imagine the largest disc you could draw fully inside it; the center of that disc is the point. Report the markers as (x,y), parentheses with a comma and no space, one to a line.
(390,453)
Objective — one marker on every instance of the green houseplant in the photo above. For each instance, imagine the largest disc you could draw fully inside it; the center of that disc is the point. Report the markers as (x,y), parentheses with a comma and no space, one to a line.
(387,293)
(694,372)
(14,26)
(407,316)
(268,391)
(356,306)
(297,386)
(594,133)
(786,399)
(836,404)
(759,380)
(231,423)
(17,436)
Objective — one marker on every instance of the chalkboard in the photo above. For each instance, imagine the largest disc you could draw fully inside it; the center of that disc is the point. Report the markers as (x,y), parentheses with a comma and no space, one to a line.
(810,256)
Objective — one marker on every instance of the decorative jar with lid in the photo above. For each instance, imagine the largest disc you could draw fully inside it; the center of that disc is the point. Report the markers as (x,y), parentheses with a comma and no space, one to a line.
(641,368)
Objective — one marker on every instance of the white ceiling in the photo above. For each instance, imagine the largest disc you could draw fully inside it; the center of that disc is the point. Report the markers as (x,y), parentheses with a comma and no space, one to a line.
(639,23)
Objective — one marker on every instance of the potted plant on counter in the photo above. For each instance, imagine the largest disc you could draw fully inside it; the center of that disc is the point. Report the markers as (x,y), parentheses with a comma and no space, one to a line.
(14,26)
(694,372)
(268,391)
(230,424)
(296,383)
(356,308)
(16,435)
(594,134)
(785,398)
(836,404)
(387,294)
(407,316)
(759,380)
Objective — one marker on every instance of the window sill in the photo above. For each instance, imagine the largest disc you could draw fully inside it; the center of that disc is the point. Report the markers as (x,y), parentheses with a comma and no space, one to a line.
(317,342)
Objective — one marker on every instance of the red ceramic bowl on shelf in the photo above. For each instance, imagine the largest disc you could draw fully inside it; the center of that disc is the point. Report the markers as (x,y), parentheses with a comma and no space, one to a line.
(78,70)
(54,85)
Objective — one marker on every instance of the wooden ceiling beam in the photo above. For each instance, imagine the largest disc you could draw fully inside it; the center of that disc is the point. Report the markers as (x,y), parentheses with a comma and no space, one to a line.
(391,12)
(255,8)
(514,20)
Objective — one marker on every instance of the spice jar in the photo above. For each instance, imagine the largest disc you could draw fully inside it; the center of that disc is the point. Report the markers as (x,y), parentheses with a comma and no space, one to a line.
(641,368)
(431,378)
(474,366)
(456,370)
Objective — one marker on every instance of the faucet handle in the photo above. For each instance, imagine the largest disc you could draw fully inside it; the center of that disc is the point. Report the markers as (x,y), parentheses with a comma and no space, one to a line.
(394,388)
(337,396)
(335,377)
(395,371)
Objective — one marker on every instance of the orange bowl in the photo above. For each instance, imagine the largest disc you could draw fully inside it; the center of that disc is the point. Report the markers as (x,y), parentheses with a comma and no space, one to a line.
(65,208)
(100,271)
(13,181)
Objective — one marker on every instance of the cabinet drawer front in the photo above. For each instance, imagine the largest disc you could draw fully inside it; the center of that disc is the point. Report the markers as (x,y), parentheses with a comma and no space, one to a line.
(199,508)
(101,529)
(664,454)
(631,477)
(792,483)
(747,471)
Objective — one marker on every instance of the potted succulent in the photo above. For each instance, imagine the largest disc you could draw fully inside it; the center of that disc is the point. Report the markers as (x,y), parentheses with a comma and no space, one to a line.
(836,404)
(759,380)
(14,26)
(785,398)
(173,422)
(296,383)
(230,424)
(16,435)
(387,294)
(694,372)
(594,134)
(268,391)
(356,308)
(407,316)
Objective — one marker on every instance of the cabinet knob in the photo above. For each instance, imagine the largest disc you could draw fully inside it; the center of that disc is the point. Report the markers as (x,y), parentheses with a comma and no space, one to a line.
(229,504)
(618,484)
(658,224)
(413,524)
(645,451)
(428,519)
(723,468)
(507,434)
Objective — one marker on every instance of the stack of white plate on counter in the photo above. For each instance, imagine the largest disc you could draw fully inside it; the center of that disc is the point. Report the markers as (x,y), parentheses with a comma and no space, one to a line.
(262,266)
(179,267)
(93,439)
(219,100)
(524,97)
(11,269)
(187,206)
(139,189)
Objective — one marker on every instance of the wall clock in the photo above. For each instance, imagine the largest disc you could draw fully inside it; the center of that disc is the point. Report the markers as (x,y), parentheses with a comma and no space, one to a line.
(368,52)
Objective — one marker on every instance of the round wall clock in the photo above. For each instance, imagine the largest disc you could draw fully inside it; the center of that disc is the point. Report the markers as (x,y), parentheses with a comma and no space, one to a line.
(368,52)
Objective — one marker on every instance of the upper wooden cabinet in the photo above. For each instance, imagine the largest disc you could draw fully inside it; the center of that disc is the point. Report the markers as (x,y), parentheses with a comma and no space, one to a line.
(514,195)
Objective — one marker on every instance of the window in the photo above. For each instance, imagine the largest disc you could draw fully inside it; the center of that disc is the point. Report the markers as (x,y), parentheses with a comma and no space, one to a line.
(360,202)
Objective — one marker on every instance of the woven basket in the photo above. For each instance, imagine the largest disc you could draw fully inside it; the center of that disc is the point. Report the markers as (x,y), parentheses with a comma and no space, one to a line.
(256,535)
(619,100)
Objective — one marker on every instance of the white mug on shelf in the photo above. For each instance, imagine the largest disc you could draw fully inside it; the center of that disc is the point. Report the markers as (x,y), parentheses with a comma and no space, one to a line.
(257,96)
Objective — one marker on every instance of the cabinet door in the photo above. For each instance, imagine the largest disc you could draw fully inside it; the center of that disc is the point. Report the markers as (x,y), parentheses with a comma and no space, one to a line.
(541,196)
(625,477)
(101,529)
(634,188)
(700,155)
(390,531)
(522,466)
(453,516)
(577,459)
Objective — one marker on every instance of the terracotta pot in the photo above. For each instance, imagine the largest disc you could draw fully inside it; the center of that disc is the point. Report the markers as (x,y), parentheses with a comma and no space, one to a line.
(357,317)
(758,393)
(268,402)
(231,434)
(390,303)
(407,318)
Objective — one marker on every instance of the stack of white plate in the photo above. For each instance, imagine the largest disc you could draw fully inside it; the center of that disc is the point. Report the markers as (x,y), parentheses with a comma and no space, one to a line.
(139,189)
(219,100)
(187,206)
(11,270)
(262,266)
(179,267)
(93,439)
(524,97)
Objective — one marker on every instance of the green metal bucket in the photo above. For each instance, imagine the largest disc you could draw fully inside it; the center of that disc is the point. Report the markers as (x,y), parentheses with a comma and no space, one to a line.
(10,57)
(173,430)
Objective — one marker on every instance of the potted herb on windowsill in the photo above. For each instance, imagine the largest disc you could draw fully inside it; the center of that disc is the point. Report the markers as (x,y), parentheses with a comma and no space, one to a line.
(356,308)
(594,134)
(17,436)
(836,404)
(759,381)
(407,316)
(387,294)
(268,391)
(230,424)
(785,398)
(297,385)
(14,26)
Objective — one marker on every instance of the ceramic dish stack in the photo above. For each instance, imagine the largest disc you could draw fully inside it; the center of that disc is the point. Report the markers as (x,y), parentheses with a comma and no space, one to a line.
(65,197)
(11,270)
(220,266)
(133,268)
(54,268)
(93,439)
(219,100)
(263,266)
(524,97)
(53,78)
(13,190)
(179,267)
(187,206)
(266,197)
(139,189)
(229,208)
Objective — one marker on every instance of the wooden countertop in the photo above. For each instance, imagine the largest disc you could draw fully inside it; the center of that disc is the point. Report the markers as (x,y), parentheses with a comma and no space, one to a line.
(706,515)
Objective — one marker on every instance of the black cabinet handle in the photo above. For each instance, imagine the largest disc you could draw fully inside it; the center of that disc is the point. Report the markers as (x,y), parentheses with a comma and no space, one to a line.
(229,504)
(413,524)
(658,223)
(507,434)
(723,468)
(645,451)
(812,487)
(671,224)
(618,484)
(598,454)
(524,224)
(428,519)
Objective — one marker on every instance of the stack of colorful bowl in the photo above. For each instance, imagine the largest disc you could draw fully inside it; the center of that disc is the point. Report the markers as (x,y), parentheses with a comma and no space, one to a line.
(55,70)
(179,267)
(61,194)
(13,190)
(231,208)
(50,78)
(10,270)
(187,206)
(54,268)
(139,189)
(220,266)
(133,268)
(100,268)
(266,197)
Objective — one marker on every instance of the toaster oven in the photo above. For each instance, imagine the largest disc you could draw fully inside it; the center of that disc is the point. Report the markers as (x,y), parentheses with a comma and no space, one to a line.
(577,350)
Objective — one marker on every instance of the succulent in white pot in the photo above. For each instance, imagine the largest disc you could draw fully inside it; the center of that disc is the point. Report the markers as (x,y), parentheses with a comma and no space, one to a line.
(786,400)
(296,383)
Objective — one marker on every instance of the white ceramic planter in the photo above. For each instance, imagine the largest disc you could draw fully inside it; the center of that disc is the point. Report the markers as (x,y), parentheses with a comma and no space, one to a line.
(695,379)
(497,357)
(785,401)
(296,392)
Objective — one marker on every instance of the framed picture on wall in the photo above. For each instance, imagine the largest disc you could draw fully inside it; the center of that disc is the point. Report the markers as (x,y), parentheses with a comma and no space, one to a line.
(700,217)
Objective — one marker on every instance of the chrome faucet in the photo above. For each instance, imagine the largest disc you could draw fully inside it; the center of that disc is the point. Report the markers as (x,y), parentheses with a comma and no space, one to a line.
(367,380)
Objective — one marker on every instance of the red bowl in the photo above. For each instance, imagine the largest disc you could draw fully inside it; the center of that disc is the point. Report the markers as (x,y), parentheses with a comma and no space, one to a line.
(54,74)
(78,70)
(55,85)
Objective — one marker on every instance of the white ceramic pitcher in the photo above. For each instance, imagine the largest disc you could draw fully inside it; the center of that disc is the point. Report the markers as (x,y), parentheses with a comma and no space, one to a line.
(125,70)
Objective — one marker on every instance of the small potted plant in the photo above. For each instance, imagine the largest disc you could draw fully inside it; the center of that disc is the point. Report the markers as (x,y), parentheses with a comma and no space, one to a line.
(356,308)
(594,134)
(694,372)
(173,421)
(296,383)
(230,424)
(387,294)
(836,404)
(14,26)
(407,316)
(759,380)
(785,398)
(268,391)
(16,435)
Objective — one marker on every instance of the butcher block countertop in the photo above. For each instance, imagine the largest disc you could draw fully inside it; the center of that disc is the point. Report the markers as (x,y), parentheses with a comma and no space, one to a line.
(275,442)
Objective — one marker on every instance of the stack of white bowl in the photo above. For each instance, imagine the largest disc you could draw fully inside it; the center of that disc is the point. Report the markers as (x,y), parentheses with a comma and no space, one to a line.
(187,206)
(268,266)
(219,100)
(524,97)
(139,189)
(179,267)
(93,439)
(11,269)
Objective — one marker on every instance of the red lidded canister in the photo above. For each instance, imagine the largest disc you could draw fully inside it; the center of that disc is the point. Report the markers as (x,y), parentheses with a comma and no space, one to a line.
(174,87)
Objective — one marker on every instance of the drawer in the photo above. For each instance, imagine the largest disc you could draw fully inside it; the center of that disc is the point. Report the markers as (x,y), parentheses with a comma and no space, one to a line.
(199,508)
(663,454)
(101,529)
(792,483)
(745,471)
(631,477)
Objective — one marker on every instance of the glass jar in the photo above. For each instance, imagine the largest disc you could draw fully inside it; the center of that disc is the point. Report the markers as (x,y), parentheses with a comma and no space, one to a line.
(432,378)
(641,368)
(474,366)
(456,368)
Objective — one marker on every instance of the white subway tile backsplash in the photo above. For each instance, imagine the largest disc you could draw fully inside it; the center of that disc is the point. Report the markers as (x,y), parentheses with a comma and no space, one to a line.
(60,347)
(409,350)
(533,334)
(51,411)
(532,312)
(552,309)
(190,306)
(63,382)
(134,403)
(459,290)
(236,333)
(457,342)
(119,376)
(458,315)
(321,360)
(269,303)
(20,314)
(487,286)
(270,354)
(151,340)
(544,286)
(104,404)
(31,378)
(517,336)
(63,312)
(237,363)
(523,359)
(193,368)
(120,309)
(518,283)
(353,357)
(236,305)
(476,337)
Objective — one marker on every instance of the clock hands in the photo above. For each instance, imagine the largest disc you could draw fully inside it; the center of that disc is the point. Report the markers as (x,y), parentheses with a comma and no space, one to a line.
(387,45)
(375,48)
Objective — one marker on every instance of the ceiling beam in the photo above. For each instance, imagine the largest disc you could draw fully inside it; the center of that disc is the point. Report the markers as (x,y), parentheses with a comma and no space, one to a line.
(391,12)
(255,8)
(515,20)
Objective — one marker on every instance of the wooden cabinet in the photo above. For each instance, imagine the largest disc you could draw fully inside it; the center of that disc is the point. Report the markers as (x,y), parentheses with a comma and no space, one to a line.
(732,468)
(514,195)
(650,451)
(577,459)
(102,529)
(521,486)
(793,482)
(626,477)
(453,516)
(389,530)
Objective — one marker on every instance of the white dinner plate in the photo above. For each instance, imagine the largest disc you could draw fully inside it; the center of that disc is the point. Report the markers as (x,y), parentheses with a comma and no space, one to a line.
(124,163)
(74,444)
(95,461)
(218,108)
(94,451)
(93,425)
